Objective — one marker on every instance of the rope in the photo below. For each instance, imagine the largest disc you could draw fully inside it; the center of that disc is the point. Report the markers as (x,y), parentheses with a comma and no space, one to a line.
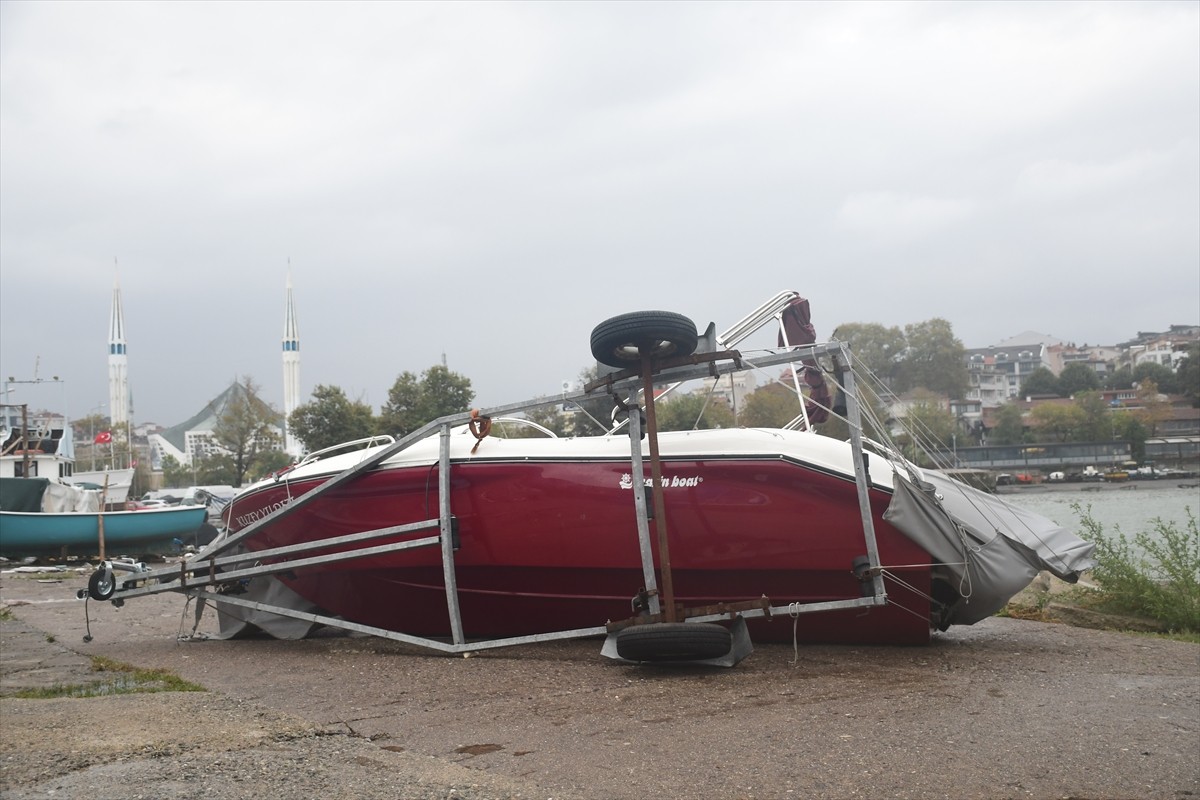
(480,427)
(794,612)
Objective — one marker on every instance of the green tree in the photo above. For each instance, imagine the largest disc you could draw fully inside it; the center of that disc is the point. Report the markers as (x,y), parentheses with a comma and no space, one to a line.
(413,402)
(175,475)
(1008,425)
(1121,378)
(873,346)
(216,469)
(935,360)
(1095,423)
(268,461)
(1154,408)
(331,418)
(770,406)
(1040,382)
(1187,375)
(695,411)
(928,425)
(1055,421)
(1076,378)
(1128,427)
(1162,376)
(245,428)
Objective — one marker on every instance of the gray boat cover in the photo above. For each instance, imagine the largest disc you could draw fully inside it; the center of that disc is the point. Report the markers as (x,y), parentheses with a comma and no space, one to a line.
(991,548)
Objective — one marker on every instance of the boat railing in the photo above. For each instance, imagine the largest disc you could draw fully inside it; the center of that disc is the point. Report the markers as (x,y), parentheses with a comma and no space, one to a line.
(358,444)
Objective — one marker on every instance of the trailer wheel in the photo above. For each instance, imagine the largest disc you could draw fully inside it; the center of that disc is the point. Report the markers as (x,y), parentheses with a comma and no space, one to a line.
(102,584)
(623,341)
(673,641)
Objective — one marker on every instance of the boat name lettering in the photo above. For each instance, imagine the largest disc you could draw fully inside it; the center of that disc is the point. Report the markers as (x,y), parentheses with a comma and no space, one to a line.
(254,516)
(667,482)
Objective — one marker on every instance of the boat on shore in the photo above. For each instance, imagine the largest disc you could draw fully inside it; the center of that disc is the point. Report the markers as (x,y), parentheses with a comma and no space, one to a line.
(47,450)
(453,532)
(44,517)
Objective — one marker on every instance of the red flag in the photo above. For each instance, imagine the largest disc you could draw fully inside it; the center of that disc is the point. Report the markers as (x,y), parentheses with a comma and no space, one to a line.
(104,437)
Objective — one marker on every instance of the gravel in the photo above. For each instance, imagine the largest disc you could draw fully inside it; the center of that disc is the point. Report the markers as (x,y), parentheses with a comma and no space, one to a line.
(1006,708)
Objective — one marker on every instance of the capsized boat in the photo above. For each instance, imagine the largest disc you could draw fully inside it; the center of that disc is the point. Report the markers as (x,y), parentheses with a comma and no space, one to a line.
(41,516)
(454,532)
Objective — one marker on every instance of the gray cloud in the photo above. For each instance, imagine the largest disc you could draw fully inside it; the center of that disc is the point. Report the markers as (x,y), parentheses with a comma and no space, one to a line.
(490,180)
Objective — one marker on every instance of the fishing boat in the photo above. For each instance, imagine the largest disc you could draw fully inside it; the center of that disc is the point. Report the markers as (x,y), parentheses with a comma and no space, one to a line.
(674,546)
(47,449)
(46,517)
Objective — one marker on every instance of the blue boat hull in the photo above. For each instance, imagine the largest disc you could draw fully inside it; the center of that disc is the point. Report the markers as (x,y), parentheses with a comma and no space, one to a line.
(152,530)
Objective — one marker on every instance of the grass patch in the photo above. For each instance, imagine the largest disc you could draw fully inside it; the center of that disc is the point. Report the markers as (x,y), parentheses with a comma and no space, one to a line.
(1155,576)
(6,614)
(119,678)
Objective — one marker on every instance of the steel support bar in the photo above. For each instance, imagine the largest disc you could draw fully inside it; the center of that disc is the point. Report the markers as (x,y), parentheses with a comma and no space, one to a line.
(656,492)
(384,633)
(445,521)
(798,608)
(639,506)
(197,565)
(274,569)
(861,478)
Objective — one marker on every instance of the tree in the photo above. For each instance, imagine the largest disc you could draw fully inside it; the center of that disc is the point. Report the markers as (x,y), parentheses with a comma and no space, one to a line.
(928,424)
(246,428)
(1040,382)
(770,406)
(331,418)
(1055,421)
(1121,378)
(935,360)
(1076,378)
(413,402)
(268,461)
(873,346)
(695,411)
(1160,375)
(1187,375)
(1128,427)
(1154,408)
(1008,425)
(175,475)
(1095,418)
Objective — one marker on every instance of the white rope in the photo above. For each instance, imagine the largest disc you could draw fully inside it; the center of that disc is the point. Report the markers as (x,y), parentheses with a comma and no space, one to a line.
(794,611)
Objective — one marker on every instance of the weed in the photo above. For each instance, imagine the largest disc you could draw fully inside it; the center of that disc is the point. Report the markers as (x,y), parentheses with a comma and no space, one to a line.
(121,678)
(1156,576)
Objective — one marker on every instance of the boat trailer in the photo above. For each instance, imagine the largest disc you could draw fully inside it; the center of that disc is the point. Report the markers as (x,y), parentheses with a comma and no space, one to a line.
(660,630)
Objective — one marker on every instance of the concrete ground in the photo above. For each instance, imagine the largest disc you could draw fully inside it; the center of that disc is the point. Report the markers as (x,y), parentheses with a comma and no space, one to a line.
(1005,708)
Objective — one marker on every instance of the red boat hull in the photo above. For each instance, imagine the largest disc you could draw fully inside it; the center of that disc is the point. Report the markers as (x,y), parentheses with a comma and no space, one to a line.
(547,546)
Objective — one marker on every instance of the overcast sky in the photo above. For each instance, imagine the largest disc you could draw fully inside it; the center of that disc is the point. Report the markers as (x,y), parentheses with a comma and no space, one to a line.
(491,180)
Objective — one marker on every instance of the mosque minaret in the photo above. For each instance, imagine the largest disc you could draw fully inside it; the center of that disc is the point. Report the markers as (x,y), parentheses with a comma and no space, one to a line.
(291,370)
(118,363)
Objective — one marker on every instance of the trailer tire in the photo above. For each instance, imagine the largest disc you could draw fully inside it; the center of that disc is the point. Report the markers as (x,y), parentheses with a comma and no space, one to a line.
(102,584)
(623,341)
(674,641)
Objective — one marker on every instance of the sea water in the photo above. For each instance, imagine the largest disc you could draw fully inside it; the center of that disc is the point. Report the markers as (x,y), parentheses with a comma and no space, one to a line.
(1130,507)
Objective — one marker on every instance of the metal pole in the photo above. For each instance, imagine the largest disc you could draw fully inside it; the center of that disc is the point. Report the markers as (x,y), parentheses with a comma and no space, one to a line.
(639,505)
(446,527)
(656,490)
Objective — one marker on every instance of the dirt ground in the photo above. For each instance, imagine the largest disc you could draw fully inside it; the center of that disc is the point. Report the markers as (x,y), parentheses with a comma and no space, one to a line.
(1007,708)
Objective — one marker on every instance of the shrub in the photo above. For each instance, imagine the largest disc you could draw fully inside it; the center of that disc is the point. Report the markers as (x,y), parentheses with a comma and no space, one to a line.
(1156,576)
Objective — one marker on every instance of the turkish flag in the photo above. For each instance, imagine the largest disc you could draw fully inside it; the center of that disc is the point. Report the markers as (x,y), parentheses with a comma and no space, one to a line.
(104,437)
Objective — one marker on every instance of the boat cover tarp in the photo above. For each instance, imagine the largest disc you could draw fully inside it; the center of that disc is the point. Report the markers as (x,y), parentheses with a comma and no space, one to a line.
(61,498)
(22,494)
(993,548)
